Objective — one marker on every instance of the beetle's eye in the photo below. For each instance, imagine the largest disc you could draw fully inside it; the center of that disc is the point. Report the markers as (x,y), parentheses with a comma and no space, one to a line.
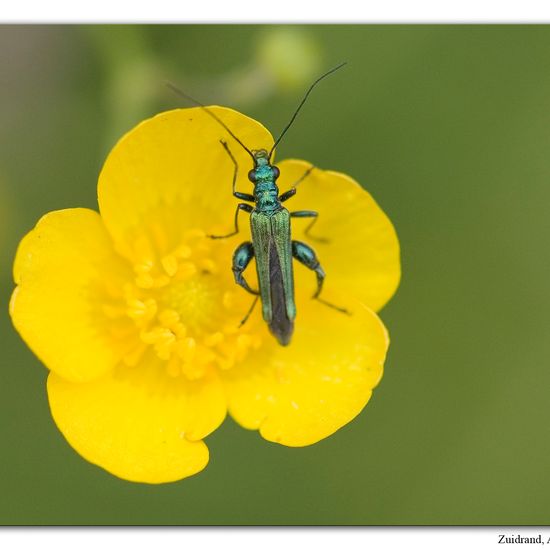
(252,176)
(276,172)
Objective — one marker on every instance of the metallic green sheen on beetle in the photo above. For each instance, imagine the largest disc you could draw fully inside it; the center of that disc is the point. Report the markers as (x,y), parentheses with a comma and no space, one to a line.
(272,245)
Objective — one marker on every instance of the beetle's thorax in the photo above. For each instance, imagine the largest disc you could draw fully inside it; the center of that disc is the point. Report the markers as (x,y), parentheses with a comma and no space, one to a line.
(266,191)
(266,194)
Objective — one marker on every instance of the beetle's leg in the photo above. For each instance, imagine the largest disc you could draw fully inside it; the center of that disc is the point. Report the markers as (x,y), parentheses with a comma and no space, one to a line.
(240,206)
(309,214)
(241,258)
(245,318)
(292,191)
(306,256)
(287,194)
(240,196)
(303,177)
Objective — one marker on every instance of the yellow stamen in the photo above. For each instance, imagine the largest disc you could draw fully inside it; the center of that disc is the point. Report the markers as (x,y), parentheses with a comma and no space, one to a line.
(145,281)
(183,252)
(186,348)
(174,303)
(169,317)
(186,270)
(170,265)
(143,267)
(214,339)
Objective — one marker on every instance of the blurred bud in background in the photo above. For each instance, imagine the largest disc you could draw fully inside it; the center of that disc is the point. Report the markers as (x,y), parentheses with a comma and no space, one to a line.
(285,60)
(290,56)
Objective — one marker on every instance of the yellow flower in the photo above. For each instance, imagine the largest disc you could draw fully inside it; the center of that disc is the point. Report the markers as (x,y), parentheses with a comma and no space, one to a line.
(135,312)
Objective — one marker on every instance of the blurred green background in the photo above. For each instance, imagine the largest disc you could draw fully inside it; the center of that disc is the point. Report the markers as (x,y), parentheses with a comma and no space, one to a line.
(449,128)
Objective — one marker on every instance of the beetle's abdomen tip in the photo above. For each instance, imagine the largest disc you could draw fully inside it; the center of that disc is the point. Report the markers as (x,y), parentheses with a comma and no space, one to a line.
(284,335)
(284,341)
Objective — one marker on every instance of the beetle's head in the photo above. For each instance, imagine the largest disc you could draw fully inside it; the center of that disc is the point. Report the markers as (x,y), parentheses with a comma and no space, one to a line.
(261,157)
(263,170)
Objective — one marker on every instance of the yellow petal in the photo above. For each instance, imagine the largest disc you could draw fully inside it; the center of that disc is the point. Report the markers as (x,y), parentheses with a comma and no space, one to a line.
(362,255)
(302,393)
(61,268)
(171,173)
(139,424)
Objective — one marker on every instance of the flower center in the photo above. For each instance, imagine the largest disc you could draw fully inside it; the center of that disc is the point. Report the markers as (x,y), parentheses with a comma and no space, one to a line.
(182,306)
(195,299)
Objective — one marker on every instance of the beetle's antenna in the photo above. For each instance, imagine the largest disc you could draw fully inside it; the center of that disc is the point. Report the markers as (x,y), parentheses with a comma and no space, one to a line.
(179,92)
(301,105)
